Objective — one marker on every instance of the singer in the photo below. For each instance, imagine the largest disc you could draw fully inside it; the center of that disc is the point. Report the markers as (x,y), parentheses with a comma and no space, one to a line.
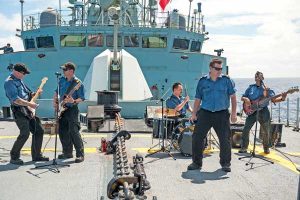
(69,125)
(254,92)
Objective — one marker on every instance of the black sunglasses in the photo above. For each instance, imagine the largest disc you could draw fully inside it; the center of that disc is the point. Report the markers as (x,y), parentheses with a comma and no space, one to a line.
(65,69)
(217,68)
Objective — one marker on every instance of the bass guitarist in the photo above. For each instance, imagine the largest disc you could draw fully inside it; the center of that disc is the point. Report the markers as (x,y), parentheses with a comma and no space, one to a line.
(19,96)
(253,93)
(69,125)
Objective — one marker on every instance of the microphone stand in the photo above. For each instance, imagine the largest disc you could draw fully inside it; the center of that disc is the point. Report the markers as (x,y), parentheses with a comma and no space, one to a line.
(54,163)
(163,132)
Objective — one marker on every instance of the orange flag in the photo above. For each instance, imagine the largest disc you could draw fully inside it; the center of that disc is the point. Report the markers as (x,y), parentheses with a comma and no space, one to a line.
(163,4)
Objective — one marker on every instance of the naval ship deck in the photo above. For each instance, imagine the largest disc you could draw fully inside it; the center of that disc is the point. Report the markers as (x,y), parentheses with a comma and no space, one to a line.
(169,178)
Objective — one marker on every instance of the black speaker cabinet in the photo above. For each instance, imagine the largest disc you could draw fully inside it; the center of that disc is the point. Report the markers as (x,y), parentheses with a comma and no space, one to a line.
(275,134)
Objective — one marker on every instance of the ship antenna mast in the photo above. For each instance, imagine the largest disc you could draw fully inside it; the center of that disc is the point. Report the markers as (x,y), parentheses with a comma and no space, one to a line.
(188,28)
(22,2)
(59,13)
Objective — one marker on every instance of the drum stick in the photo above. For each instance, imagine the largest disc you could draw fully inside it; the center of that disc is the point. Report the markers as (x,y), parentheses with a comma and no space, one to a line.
(185,90)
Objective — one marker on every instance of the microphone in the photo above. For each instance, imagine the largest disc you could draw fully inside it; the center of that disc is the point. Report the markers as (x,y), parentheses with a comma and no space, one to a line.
(57,73)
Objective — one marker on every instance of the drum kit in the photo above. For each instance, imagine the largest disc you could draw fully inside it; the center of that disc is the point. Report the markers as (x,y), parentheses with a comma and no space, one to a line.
(177,132)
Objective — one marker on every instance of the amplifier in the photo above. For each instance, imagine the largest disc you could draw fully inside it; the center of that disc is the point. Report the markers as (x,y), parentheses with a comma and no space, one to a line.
(236,134)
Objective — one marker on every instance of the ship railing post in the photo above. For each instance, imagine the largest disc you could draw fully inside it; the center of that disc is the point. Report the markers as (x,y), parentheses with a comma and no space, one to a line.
(279,120)
(271,111)
(288,112)
(297,116)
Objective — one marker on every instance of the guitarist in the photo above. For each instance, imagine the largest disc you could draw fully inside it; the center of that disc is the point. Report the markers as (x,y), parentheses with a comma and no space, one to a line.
(69,125)
(19,96)
(255,92)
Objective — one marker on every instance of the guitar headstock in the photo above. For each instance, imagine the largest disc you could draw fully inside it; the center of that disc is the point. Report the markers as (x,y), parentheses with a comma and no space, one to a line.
(44,80)
(293,89)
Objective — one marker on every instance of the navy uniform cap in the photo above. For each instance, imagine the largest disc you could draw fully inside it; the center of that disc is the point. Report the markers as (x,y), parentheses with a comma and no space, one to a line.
(20,67)
(68,65)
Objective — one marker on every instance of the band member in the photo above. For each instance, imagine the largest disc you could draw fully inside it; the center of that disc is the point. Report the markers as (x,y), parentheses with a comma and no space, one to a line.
(69,125)
(252,93)
(178,102)
(19,96)
(213,94)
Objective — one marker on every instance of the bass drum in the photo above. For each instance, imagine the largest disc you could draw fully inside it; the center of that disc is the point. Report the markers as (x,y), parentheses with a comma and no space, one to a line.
(182,138)
(185,143)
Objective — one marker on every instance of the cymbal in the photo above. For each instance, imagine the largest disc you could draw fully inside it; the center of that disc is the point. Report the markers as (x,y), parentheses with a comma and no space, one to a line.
(167,112)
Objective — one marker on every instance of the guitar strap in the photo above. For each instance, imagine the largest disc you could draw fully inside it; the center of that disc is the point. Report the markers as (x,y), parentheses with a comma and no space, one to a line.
(266,92)
(29,92)
(72,85)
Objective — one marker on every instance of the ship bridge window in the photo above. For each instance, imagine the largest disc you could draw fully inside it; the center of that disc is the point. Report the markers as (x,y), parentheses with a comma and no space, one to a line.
(154,42)
(95,40)
(110,41)
(45,42)
(181,44)
(131,41)
(73,40)
(29,44)
(195,46)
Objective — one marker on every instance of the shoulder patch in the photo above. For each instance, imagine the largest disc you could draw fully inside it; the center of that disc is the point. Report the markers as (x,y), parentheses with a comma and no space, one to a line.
(9,78)
(225,76)
(77,80)
(203,77)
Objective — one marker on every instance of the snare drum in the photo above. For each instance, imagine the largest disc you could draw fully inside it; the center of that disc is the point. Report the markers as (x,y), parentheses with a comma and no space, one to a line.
(167,125)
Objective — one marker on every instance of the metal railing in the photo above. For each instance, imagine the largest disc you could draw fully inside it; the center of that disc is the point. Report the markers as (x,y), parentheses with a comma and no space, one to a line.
(286,113)
(162,20)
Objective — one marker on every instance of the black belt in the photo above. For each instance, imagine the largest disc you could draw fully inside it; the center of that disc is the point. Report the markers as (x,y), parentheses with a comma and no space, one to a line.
(214,111)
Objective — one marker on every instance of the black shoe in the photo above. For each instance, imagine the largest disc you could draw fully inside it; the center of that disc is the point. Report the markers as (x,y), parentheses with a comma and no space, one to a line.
(64,156)
(266,150)
(42,158)
(79,159)
(226,168)
(242,150)
(17,161)
(194,166)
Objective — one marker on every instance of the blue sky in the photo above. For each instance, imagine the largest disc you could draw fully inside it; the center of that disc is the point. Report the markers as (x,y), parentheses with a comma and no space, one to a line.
(256,35)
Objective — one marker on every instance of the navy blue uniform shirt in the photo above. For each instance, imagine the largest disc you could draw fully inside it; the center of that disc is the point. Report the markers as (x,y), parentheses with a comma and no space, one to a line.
(15,89)
(254,92)
(174,101)
(64,85)
(215,95)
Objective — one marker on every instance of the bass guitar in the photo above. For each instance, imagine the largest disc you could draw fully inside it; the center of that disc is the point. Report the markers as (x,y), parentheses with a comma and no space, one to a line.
(62,105)
(261,103)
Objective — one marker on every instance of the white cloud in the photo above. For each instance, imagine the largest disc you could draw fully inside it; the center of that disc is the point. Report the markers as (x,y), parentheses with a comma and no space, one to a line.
(9,23)
(275,47)
(8,26)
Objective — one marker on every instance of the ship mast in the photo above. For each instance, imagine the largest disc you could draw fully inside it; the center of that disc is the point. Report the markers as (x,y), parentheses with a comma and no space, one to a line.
(22,16)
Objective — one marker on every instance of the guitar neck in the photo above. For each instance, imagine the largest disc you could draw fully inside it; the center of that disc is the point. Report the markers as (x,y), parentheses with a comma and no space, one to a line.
(37,94)
(70,94)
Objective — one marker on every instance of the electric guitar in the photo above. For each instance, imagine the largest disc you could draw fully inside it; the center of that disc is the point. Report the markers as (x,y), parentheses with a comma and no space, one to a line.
(263,102)
(62,104)
(28,111)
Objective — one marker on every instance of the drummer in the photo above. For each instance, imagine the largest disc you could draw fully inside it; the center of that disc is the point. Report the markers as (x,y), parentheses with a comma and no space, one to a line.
(178,102)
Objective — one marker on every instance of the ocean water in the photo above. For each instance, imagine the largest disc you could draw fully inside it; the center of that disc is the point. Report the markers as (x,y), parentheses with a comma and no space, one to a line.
(279,85)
